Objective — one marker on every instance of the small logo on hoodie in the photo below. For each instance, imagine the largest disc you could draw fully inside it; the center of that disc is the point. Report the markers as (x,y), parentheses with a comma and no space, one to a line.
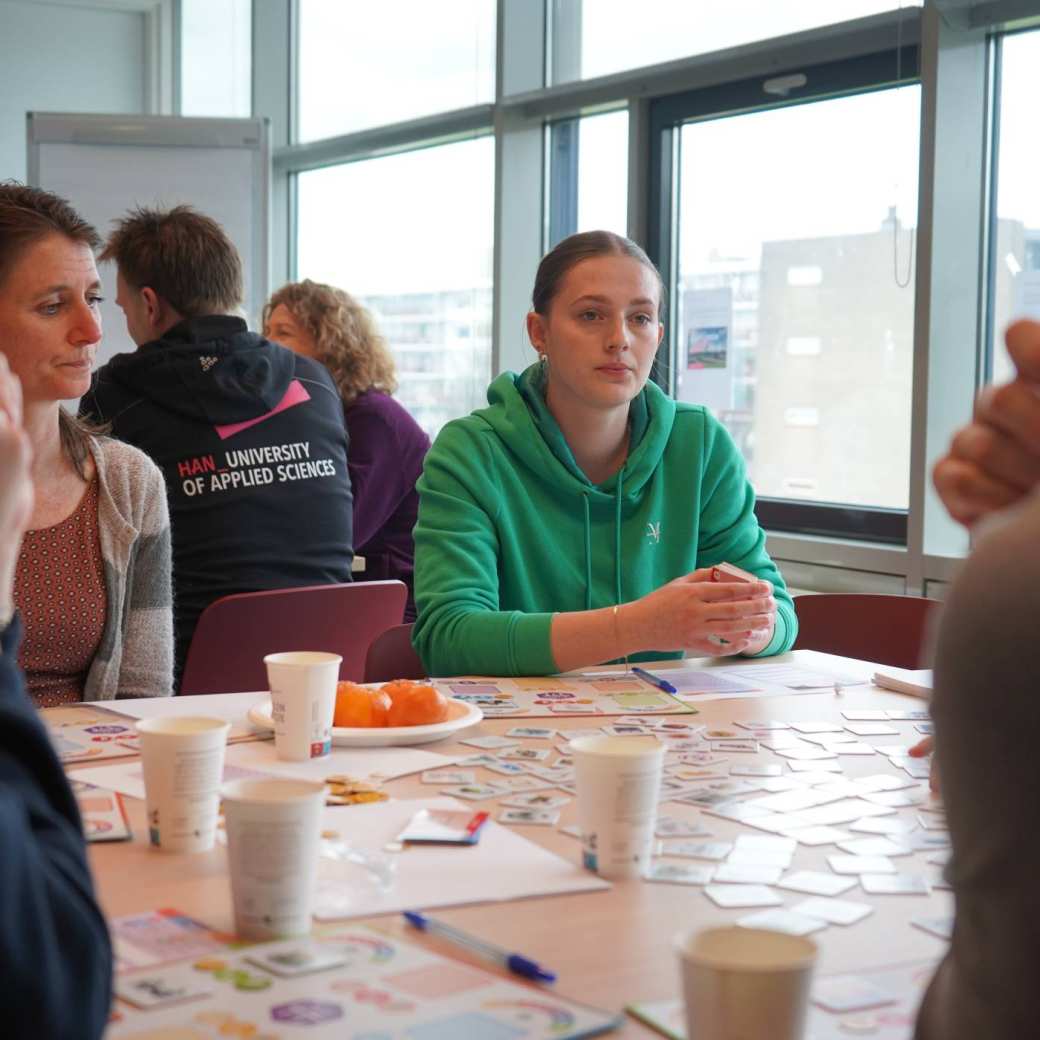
(207,362)
(653,532)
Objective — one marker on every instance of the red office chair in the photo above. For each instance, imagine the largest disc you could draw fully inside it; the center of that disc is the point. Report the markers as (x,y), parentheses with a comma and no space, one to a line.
(233,634)
(888,630)
(391,656)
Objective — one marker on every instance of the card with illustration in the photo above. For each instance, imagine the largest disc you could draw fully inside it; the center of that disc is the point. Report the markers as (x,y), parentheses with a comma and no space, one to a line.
(103,813)
(343,982)
(162,937)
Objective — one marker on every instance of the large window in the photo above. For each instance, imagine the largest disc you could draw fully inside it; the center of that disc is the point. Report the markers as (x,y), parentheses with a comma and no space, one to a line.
(367,64)
(1015,276)
(410,235)
(598,37)
(588,175)
(793,289)
(216,58)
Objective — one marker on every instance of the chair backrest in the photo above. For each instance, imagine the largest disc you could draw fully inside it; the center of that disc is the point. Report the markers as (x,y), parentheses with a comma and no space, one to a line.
(392,656)
(233,633)
(886,629)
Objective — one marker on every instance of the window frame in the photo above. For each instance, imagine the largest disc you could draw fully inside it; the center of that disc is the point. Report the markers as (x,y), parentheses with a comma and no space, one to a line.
(868,73)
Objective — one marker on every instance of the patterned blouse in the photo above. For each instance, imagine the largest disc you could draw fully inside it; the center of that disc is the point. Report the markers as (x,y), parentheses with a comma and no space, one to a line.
(60,591)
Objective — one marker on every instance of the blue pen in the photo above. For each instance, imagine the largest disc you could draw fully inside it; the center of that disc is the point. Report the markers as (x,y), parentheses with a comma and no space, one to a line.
(513,961)
(653,680)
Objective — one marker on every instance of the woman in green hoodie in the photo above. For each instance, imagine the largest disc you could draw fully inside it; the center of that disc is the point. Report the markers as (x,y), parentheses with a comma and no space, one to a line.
(577,518)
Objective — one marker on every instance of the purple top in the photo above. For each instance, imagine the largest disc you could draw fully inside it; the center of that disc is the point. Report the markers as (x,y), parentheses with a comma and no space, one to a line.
(385,458)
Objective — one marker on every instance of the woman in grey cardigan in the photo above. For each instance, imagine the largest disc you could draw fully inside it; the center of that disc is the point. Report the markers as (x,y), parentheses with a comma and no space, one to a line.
(93,577)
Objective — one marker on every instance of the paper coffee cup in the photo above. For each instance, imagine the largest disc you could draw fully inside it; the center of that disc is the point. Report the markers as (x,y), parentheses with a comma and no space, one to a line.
(618,780)
(273,831)
(183,762)
(745,982)
(303,701)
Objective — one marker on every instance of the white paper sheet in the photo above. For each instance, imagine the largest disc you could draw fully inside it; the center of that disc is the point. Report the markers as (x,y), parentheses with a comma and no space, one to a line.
(244,760)
(234,707)
(503,865)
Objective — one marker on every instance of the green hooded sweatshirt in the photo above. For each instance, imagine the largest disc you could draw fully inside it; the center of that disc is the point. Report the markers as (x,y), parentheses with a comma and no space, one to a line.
(511,531)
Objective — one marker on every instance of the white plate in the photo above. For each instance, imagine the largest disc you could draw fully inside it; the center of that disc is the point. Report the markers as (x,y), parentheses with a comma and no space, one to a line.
(460,716)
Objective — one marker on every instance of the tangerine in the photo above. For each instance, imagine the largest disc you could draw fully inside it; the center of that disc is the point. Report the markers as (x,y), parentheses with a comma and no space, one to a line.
(360,706)
(415,703)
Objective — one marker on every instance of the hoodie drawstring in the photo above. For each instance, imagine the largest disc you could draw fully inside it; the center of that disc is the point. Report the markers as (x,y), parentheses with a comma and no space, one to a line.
(588,552)
(617,542)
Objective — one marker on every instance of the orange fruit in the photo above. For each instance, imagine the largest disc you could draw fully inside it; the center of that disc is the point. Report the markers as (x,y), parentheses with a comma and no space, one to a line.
(359,706)
(414,703)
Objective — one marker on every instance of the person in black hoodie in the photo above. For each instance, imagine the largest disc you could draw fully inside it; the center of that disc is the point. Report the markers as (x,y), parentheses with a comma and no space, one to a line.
(55,954)
(249,435)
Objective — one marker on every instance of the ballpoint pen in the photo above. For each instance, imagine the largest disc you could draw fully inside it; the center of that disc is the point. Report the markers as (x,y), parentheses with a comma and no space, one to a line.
(516,963)
(653,680)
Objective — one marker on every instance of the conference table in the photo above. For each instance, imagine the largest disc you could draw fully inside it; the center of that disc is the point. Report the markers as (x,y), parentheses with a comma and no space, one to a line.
(608,947)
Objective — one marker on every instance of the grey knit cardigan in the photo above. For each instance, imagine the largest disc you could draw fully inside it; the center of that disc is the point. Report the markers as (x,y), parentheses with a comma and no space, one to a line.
(135,658)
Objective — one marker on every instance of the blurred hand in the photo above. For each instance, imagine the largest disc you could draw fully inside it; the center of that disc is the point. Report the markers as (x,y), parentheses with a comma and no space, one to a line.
(922,749)
(693,613)
(995,460)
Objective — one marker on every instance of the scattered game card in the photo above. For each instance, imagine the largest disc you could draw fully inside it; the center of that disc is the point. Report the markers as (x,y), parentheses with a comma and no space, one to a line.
(778,784)
(102,812)
(775,741)
(553,774)
(865,716)
(782,921)
(851,748)
(156,989)
(940,927)
(861,865)
(525,754)
(733,746)
(476,760)
(920,840)
(576,734)
(506,768)
(918,768)
(816,883)
(896,799)
(827,739)
(908,716)
(541,817)
(816,835)
(680,873)
(536,801)
(881,825)
(696,773)
(477,792)
(760,725)
(892,884)
(879,846)
(618,730)
(791,801)
(449,776)
(839,787)
(895,752)
(755,770)
(748,873)
(298,960)
(520,784)
(834,911)
(815,767)
(844,811)
(712,850)
(765,843)
(531,732)
(884,782)
(848,993)
(816,727)
(488,743)
(742,895)
(805,753)
(872,729)
(672,827)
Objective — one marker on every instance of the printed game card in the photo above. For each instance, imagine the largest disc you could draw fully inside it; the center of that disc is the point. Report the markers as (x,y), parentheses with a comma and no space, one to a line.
(103,813)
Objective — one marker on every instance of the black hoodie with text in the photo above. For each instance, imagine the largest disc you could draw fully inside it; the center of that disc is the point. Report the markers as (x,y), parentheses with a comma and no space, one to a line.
(251,441)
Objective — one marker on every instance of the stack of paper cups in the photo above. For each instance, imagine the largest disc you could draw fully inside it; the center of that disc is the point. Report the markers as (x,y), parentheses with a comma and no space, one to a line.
(745,982)
(273,832)
(303,701)
(183,762)
(618,780)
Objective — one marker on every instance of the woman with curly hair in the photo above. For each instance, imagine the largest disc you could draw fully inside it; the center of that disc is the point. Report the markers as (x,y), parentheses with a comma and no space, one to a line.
(387,446)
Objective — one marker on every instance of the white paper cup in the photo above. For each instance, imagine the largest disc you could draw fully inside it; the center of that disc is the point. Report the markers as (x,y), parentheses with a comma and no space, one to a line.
(618,781)
(745,983)
(303,701)
(183,762)
(273,830)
